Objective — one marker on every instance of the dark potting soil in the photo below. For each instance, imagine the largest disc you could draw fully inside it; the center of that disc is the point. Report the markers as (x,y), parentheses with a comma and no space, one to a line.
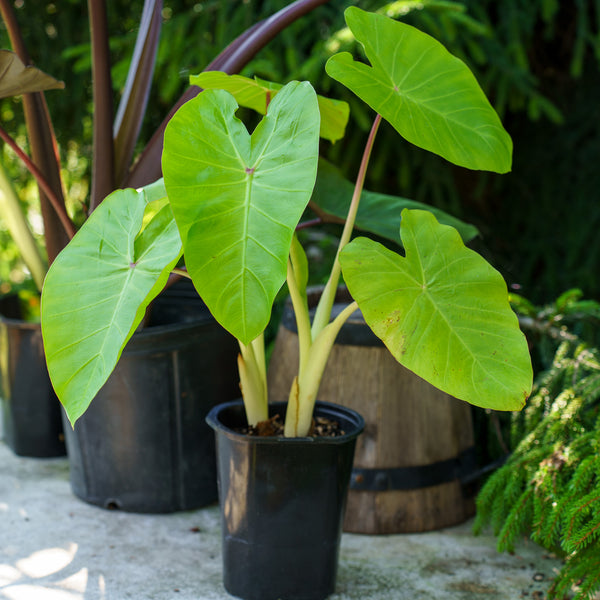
(321,427)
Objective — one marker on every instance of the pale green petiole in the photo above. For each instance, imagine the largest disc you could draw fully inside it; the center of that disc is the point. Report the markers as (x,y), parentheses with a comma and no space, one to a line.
(253,380)
(304,389)
(297,288)
(323,312)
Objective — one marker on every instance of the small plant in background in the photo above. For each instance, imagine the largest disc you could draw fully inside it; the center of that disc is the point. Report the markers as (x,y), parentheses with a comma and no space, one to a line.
(549,488)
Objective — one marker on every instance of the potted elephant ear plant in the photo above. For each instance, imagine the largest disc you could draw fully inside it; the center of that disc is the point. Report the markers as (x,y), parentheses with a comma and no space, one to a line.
(441,309)
(236,199)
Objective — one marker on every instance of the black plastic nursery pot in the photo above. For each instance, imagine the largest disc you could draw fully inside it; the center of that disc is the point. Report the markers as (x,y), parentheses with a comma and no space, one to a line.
(282,504)
(144,445)
(31,412)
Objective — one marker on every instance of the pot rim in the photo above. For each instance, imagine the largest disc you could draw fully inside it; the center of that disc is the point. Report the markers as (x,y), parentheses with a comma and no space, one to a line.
(328,409)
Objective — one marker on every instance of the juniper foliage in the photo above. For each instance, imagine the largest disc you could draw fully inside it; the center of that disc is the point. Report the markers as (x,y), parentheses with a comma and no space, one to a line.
(549,488)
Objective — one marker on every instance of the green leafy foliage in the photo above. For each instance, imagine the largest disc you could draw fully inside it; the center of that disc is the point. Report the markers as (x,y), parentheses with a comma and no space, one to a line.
(429,96)
(378,213)
(237,199)
(418,305)
(234,201)
(97,290)
(570,317)
(258,93)
(550,486)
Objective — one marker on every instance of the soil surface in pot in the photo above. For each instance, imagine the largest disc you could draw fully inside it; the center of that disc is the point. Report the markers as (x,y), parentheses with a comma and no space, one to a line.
(321,427)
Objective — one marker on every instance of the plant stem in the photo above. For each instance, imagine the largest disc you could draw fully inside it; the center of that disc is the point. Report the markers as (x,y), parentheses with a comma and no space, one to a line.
(132,107)
(19,230)
(323,312)
(103,162)
(309,223)
(181,272)
(304,390)
(302,318)
(42,141)
(252,370)
(258,347)
(42,182)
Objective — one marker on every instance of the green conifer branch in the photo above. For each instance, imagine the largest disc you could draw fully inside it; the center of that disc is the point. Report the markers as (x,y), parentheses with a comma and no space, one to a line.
(549,488)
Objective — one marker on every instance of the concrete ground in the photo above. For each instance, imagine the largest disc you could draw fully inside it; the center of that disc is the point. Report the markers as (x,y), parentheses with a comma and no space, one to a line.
(53,546)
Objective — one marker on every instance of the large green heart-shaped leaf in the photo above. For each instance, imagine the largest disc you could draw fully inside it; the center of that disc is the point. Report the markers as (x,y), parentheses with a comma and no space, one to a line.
(429,96)
(257,93)
(443,312)
(17,79)
(97,290)
(238,198)
(377,213)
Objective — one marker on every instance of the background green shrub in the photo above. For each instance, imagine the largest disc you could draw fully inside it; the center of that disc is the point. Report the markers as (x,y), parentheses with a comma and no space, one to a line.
(537,60)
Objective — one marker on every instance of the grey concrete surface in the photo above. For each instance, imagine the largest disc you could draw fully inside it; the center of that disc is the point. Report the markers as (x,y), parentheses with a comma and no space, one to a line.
(56,547)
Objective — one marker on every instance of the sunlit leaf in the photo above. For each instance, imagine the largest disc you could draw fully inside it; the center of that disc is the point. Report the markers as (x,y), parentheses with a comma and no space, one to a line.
(257,93)
(428,95)
(443,312)
(237,198)
(97,290)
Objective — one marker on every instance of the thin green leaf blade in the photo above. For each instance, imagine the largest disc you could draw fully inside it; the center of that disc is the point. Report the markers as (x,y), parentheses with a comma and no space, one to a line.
(428,95)
(17,79)
(443,312)
(257,93)
(97,290)
(238,198)
(377,213)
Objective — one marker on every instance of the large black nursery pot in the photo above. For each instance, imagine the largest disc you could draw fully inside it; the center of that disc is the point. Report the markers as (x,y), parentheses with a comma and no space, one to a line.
(282,504)
(144,445)
(31,412)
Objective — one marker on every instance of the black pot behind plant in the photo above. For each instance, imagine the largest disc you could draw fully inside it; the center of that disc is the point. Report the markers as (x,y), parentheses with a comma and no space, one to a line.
(144,445)
(282,505)
(30,409)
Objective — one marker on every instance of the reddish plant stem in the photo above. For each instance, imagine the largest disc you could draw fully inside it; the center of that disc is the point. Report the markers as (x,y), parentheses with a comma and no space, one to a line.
(42,182)
(103,161)
(310,223)
(42,140)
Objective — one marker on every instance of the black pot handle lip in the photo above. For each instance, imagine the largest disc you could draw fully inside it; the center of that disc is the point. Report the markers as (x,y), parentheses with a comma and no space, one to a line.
(349,414)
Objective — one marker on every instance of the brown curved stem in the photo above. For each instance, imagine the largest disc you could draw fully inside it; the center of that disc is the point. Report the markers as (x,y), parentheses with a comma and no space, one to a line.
(42,141)
(309,223)
(103,163)
(43,183)
(230,60)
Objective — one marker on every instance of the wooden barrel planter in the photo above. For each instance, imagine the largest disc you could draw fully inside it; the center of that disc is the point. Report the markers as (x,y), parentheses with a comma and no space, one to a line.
(418,442)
